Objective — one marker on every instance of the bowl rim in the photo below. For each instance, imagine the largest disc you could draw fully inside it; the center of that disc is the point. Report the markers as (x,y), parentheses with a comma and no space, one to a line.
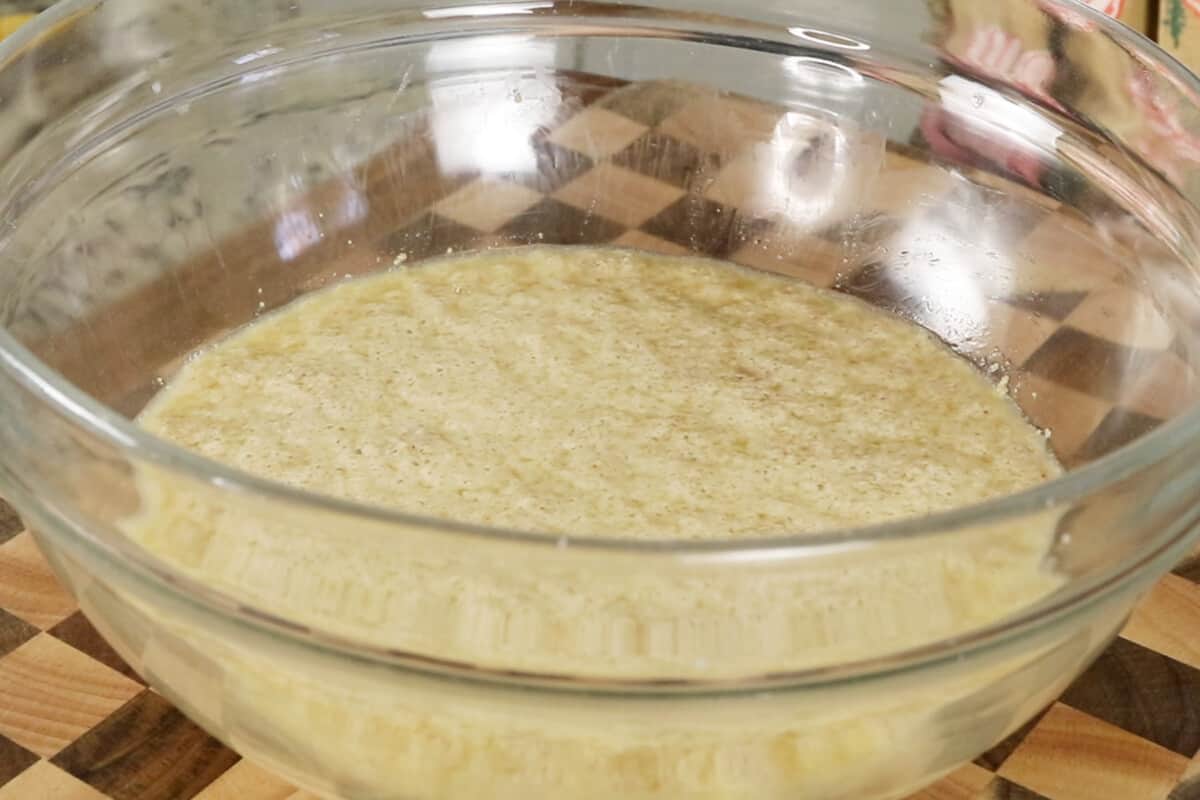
(1175,435)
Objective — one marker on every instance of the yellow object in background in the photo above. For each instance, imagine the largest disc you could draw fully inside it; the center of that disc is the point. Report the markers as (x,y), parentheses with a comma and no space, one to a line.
(10,22)
(1136,14)
(1179,30)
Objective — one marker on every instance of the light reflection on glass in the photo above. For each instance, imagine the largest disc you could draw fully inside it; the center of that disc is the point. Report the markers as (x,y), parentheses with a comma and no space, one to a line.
(821,73)
(827,39)
(261,75)
(805,169)
(352,208)
(948,267)
(997,115)
(487,125)
(491,10)
(810,173)
(295,232)
(254,55)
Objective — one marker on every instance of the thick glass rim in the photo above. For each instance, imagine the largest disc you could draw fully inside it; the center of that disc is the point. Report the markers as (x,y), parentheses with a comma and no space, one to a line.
(53,389)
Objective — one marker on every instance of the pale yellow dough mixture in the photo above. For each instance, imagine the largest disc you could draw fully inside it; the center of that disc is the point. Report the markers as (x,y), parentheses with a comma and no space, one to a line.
(604,393)
(583,393)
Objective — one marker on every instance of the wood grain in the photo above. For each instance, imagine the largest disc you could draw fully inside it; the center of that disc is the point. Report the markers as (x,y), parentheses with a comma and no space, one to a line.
(1161,622)
(667,159)
(619,194)
(10,523)
(1073,756)
(28,587)
(1129,685)
(44,781)
(597,132)
(76,631)
(487,204)
(1001,789)
(965,783)
(14,759)
(147,751)
(248,781)
(54,694)
(14,632)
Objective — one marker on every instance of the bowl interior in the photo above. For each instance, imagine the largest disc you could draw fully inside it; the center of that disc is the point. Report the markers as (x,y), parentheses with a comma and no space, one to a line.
(191,202)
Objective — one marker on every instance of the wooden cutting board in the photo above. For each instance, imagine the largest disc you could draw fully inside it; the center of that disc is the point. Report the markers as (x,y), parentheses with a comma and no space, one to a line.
(77,724)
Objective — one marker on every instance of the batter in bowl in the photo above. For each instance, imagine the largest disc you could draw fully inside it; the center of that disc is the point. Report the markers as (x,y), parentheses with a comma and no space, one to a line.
(604,393)
(587,393)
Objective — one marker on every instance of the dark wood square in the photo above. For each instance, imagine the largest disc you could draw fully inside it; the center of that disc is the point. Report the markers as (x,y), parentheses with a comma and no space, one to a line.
(1056,305)
(1088,364)
(556,166)
(1190,569)
(669,160)
(14,632)
(14,759)
(1118,428)
(146,750)
(1130,686)
(428,236)
(993,759)
(1189,789)
(553,222)
(10,523)
(864,231)
(581,89)
(1001,789)
(874,284)
(704,226)
(649,102)
(76,631)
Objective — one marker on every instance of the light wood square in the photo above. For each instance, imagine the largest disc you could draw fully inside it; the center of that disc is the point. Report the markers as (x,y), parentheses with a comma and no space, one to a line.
(1071,755)
(653,244)
(1192,773)
(965,783)
(246,780)
(1166,389)
(1165,618)
(1062,254)
(756,181)
(810,258)
(597,132)
(53,694)
(487,205)
(619,194)
(44,781)
(1070,416)
(716,124)
(1122,315)
(28,587)
(782,180)
(1017,333)
(904,184)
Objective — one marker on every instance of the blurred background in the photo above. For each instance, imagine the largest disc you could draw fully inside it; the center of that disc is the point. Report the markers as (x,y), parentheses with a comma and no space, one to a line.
(1174,24)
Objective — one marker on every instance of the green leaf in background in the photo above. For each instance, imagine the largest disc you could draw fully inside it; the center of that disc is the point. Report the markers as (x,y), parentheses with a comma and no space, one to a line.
(1175,19)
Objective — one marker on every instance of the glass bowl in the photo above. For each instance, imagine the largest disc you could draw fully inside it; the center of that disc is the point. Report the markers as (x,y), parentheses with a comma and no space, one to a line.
(1019,177)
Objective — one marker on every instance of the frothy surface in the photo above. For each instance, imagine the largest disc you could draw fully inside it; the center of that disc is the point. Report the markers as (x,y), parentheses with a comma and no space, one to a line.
(604,392)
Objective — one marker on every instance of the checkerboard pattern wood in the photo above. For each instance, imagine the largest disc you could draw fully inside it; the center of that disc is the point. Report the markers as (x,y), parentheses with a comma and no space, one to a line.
(670,168)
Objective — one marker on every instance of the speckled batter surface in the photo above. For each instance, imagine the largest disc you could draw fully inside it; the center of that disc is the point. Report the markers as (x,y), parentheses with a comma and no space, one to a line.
(604,392)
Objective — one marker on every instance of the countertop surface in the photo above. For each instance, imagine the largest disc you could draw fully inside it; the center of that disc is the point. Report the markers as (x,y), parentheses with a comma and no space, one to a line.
(77,724)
